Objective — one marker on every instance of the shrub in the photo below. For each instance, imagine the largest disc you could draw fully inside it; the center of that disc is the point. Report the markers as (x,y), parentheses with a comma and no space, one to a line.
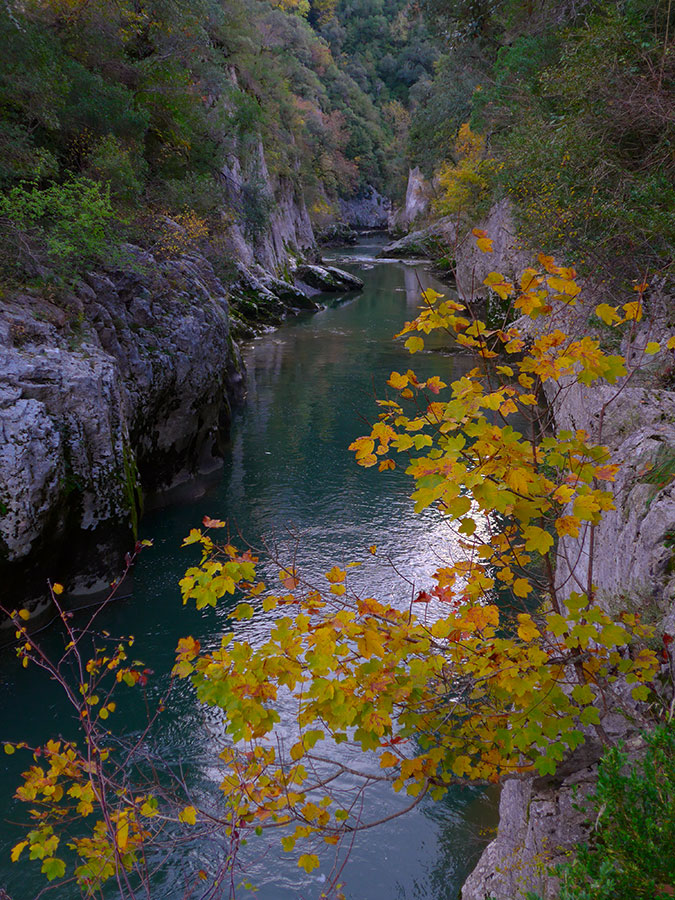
(466,183)
(257,204)
(62,224)
(631,854)
(118,166)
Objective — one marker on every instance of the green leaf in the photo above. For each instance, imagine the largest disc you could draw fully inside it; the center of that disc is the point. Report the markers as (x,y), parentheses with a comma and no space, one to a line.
(53,868)
(590,716)
(545,765)
(640,692)
(614,636)
(583,693)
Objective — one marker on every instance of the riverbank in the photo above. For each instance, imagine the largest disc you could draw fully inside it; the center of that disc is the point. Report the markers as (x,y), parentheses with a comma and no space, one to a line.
(118,389)
(287,473)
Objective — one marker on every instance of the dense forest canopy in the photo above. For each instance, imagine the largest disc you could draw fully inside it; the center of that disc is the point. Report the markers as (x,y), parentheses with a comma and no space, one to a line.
(575,103)
(141,106)
(130,108)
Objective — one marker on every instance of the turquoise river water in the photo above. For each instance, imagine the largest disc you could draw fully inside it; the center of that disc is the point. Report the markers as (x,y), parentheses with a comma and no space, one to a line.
(288,476)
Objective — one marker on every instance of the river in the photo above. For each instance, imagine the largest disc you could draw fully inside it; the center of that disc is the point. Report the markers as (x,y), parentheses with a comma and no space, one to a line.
(288,474)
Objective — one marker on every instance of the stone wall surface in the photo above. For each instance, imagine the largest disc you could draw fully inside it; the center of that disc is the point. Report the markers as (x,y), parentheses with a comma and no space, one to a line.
(128,378)
(418,199)
(370,209)
(633,567)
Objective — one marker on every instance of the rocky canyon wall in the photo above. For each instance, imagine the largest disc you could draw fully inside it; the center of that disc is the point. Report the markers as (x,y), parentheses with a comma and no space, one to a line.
(634,568)
(122,384)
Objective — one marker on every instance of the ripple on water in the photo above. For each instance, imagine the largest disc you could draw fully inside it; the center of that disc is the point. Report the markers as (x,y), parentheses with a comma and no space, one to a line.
(288,476)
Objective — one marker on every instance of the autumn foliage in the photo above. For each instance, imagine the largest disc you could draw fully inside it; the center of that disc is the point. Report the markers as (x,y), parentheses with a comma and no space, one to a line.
(494,670)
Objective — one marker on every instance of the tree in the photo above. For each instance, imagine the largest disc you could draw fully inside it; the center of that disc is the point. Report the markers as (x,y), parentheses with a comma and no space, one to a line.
(494,671)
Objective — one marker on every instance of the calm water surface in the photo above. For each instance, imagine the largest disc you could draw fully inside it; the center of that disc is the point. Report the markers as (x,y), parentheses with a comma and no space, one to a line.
(290,480)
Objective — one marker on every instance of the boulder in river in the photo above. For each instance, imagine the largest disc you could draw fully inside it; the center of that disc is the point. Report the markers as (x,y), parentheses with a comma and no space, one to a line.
(328,278)
(433,242)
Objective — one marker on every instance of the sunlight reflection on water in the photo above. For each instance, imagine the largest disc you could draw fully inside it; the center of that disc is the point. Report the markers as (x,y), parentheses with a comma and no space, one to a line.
(310,393)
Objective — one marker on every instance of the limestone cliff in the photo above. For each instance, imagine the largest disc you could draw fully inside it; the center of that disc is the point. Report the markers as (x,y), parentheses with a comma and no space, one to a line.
(417,205)
(122,385)
(633,567)
(125,380)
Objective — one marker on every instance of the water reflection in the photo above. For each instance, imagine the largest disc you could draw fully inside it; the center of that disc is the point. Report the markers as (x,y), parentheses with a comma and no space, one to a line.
(288,469)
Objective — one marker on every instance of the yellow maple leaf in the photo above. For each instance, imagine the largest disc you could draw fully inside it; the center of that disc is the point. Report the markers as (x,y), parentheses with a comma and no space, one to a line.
(537,539)
(397,381)
(563,493)
(188,816)
(530,279)
(549,264)
(461,765)
(122,831)
(528,302)
(308,862)
(370,644)
(17,850)
(564,286)
(633,310)
(414,344)
(607,313)
(387,760)
(568,525)
(521,587)
(500,285)
(527,630)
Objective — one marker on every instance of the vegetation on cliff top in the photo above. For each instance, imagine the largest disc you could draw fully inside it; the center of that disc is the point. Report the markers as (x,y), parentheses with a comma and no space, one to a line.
(157,108)
(576,108)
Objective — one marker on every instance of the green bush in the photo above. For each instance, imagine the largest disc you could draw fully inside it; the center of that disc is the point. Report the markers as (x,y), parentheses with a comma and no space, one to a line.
(68,223)
(118,166)
(631,854)
(257,205)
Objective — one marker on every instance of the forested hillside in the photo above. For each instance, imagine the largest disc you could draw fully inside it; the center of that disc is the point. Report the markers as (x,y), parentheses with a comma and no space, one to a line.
(114,115)
(571,114)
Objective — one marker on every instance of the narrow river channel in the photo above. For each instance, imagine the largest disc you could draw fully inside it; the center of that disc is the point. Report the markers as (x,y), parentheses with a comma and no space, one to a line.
(288,473)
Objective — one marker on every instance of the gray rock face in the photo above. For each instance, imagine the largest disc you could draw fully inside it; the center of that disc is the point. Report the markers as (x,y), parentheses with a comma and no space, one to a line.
(126,381)
(418,198)
(336,234)
(368,210)
(633,567)
(538,824)
(286,231)
(327,278)
(432,242)
(633,558)
(507,257)
(260,301)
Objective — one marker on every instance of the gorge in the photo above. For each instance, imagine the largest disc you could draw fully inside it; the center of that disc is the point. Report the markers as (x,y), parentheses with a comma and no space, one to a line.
(177,184)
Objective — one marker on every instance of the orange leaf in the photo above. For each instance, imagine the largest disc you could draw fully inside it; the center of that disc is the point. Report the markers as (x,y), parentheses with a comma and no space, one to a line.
(499,285)
(212,523)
